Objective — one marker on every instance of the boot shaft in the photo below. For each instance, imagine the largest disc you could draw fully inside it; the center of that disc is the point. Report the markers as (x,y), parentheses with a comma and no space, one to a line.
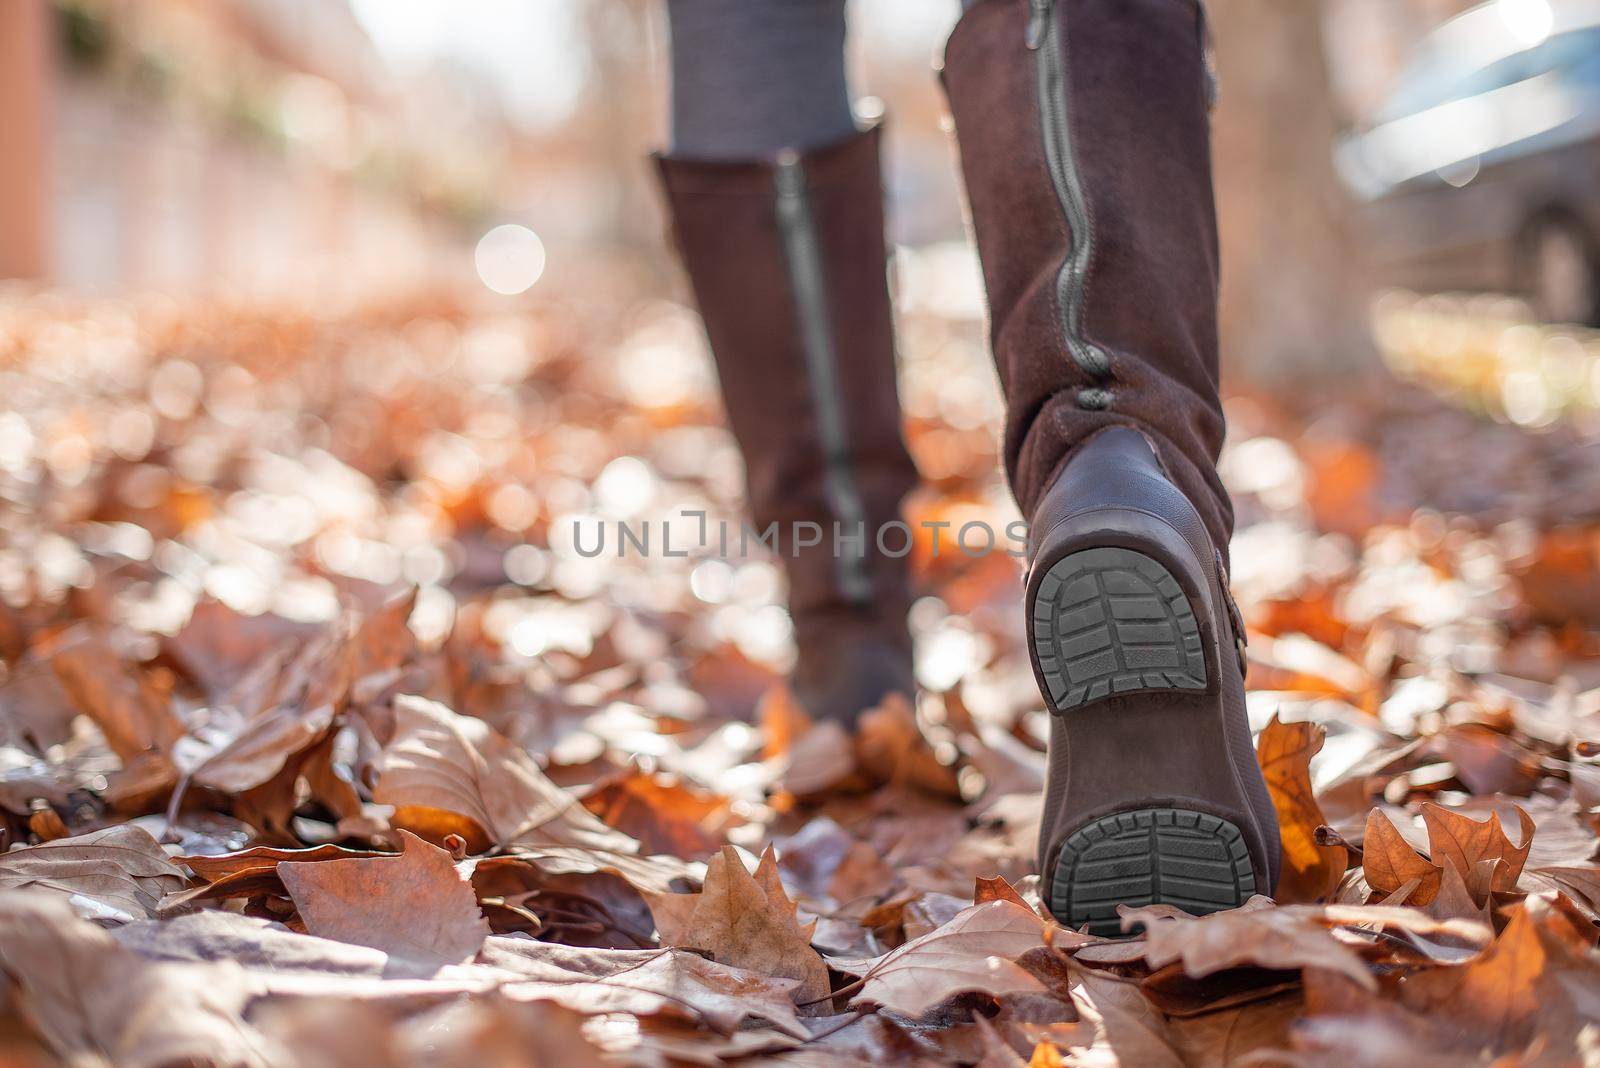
(789,266)
(1084,141)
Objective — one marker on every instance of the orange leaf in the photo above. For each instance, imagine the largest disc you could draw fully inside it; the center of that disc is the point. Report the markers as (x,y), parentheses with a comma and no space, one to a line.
(1310,870)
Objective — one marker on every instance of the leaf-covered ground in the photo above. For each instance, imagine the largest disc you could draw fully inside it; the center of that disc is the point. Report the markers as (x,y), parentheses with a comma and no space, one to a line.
(320,746)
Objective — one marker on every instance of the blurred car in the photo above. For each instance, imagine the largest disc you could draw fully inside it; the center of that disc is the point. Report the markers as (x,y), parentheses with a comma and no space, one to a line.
(1481,170)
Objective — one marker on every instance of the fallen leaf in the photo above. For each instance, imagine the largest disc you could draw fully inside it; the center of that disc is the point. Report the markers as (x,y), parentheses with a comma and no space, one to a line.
(643,982)
(98,1004)
(1256,934)
(1512,990)
(415,906)
(996,888)
(1465,843)
(218,644)
(662,813)
(974,951)
(745,921)
(135,717)
(119,873)
(891,748)
(450,774)
(1388,861)
(818,761)
(1311,871)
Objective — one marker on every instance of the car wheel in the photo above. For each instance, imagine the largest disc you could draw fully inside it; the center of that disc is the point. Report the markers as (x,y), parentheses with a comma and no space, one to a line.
(1562,270)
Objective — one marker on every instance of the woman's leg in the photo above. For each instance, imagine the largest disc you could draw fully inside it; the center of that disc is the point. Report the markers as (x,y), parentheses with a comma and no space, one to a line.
(777,205)
(753,77)
(1085,145)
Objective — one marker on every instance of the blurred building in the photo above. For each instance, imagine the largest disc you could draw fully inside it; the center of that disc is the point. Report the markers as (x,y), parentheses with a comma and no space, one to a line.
(229,147)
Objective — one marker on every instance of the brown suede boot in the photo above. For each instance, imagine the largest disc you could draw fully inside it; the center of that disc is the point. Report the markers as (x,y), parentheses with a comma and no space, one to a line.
(788,264)
(1085,145)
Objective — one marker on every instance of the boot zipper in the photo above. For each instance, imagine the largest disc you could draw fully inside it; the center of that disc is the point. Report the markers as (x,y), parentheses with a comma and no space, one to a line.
(804,254)
(1055,114)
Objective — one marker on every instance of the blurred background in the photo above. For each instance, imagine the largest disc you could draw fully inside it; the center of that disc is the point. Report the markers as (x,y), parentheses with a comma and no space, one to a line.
(261,149)
(305,298)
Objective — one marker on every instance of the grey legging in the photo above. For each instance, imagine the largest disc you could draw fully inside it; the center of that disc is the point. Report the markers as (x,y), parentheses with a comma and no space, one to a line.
(751,77)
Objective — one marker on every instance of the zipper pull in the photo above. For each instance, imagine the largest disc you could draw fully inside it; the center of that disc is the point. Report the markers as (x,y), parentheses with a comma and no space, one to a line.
(1038,23)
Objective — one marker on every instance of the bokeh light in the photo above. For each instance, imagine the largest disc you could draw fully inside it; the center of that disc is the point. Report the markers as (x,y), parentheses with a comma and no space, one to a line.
(510,259)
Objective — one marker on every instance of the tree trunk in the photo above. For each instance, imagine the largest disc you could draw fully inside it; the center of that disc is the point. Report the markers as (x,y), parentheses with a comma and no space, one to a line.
(1294,290)
(26,46)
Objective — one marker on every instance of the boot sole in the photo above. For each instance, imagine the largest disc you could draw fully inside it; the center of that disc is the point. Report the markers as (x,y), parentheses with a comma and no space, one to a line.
(1111,620)
(1169,856)
(1122,657)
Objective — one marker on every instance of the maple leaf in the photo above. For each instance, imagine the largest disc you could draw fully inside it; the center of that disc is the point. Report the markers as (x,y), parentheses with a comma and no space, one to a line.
(744,920)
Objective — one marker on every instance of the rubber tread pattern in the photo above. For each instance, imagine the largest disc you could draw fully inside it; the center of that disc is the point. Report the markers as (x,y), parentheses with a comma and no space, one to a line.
(1111,621)
(1174,856)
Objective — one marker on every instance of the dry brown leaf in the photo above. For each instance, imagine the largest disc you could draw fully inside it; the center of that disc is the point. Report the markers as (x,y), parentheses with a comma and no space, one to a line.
(745,921)
(1581,883)
(136,717)
(975,951)
(218,644)
(662,813)
(415,906)
(891,748)
(591,908)
(450,774)
(1311,871)
(1514,989)
(249,873)
(296,710)
(643,983)
(818,761)
(783,722)
(1388,861)
(1126,1025)
(1455,900)
(1256,934)
(1464,844)
(97,1004)
(997,888)
(119,873)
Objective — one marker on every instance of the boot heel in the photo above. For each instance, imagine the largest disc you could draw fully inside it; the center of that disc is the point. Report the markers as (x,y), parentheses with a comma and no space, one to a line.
(1111,620)
(1174,856)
